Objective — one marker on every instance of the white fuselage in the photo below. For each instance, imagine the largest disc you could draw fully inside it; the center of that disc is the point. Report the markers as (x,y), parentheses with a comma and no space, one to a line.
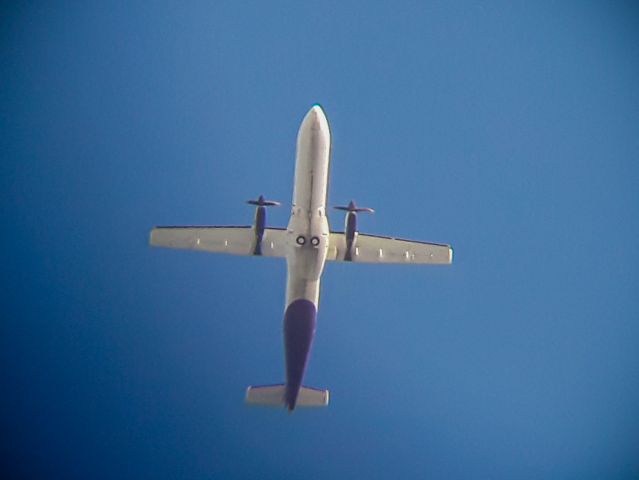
(308,228)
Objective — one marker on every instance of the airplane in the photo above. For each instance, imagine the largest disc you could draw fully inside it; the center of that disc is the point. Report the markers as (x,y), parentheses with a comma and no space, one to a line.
(307,243)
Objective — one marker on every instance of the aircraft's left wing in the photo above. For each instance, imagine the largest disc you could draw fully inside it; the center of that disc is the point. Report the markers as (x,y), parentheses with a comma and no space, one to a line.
(231,240)
(377,249)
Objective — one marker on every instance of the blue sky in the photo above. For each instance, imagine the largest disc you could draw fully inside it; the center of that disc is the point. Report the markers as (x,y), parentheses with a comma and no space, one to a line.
(510,130)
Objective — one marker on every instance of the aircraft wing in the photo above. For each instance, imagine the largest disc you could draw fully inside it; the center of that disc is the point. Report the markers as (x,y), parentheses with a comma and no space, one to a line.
(231,240)
(377,249)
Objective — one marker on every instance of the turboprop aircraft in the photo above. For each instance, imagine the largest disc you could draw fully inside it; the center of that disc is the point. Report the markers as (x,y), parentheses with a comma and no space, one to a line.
(307,243)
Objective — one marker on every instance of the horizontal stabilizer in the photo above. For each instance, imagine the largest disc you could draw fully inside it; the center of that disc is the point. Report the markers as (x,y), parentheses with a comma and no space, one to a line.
(312,397)
(267,395)
(274,396)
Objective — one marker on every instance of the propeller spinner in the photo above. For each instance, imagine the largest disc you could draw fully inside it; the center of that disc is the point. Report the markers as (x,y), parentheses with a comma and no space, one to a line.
(351,207)
(260,220)
(350,226)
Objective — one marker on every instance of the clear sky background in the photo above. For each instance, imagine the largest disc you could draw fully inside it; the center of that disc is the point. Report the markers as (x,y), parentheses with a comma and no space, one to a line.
(509,130)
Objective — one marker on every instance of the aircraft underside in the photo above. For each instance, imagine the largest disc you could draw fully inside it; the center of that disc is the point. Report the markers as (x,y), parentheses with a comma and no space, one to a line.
(306,244)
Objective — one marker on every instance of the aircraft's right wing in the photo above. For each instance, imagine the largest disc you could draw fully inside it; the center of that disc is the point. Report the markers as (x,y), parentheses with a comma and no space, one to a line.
(232,240)
(377,249)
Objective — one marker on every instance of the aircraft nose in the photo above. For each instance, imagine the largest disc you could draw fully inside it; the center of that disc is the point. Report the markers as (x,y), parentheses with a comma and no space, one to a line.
(314,132)
(317,110)
(316,118)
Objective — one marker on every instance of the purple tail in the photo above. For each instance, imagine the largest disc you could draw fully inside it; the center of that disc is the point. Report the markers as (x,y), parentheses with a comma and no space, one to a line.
(299,330)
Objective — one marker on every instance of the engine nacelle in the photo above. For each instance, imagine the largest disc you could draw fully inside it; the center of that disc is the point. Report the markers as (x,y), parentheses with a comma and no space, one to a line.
(350,226)
(259,223)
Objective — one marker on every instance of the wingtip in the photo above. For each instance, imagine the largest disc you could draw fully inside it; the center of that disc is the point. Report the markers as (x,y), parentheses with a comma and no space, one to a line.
(152,236)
